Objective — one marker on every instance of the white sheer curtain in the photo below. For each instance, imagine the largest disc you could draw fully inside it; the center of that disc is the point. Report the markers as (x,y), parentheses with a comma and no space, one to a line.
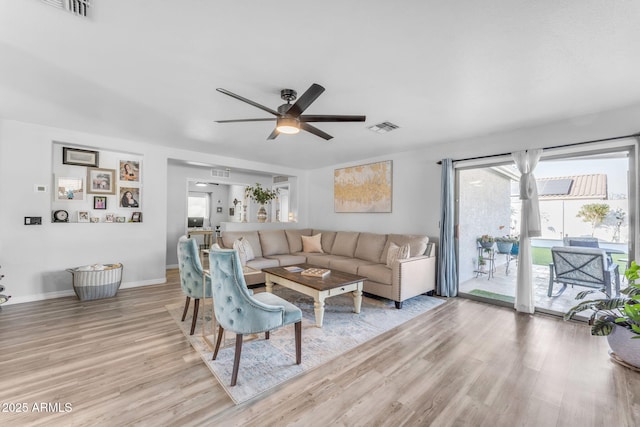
(526,162)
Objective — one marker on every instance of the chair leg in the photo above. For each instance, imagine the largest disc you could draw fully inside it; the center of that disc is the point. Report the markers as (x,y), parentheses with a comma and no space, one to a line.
(236,360)
(186,308)
(298,328)
(218,341)
(398,304)
(195,316)
(266,335)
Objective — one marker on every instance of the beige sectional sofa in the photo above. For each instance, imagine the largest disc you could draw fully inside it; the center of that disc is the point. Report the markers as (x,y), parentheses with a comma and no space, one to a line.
(364,254)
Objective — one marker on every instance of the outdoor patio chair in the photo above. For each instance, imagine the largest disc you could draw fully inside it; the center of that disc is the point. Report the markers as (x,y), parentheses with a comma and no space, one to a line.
(582,267)
(585,242)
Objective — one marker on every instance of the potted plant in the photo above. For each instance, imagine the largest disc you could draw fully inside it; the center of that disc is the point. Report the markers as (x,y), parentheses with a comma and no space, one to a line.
(505,243)
(616,318)
(486,241)
(261,196)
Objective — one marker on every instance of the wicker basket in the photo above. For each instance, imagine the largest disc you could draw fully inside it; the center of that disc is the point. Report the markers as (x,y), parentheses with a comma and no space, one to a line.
(96,281)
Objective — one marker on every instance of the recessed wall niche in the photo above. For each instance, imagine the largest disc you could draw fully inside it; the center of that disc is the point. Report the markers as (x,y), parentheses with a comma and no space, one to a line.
(94,185)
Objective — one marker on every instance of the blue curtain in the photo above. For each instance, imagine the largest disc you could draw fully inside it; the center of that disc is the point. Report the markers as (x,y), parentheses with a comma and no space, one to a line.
(447,275)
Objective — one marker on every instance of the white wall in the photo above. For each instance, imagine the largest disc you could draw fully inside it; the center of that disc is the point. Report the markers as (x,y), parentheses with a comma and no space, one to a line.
(34,258)
(177,176)
(416,174)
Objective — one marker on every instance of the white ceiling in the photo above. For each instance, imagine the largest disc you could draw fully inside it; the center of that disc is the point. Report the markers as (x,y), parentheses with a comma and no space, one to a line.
(441,70)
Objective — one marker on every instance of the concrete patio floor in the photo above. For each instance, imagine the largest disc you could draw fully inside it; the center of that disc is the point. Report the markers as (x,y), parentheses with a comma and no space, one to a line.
(505,284)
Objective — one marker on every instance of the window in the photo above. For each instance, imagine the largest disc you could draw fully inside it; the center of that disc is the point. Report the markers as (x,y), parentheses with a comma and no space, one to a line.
(198,205)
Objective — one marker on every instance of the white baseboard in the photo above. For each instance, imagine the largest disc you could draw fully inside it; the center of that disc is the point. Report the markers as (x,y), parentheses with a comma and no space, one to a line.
(70,293)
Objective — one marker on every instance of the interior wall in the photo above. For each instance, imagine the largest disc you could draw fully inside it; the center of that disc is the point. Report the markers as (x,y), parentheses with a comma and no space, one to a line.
(416,174)
(34,258)
(178,175)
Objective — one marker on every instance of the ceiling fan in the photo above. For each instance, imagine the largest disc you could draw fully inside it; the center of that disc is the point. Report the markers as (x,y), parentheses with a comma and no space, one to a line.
(289,118)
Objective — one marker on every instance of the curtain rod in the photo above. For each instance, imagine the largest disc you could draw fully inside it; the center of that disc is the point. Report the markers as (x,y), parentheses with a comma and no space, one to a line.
(634,135)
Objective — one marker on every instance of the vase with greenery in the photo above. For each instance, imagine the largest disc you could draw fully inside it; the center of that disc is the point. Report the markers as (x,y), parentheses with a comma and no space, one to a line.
(261,196)
(486,241)
(505,243)
(617,318)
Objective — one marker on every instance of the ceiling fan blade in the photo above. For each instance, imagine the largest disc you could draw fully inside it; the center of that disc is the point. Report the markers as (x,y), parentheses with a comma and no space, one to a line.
(274,134)
(248,101)
(244,120)
(314,130)
(330,118)
(305,100)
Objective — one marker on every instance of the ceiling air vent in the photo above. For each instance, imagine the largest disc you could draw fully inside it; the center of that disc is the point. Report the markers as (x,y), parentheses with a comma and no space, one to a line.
(77,7)
(383,127)
(278,179)
(221,173)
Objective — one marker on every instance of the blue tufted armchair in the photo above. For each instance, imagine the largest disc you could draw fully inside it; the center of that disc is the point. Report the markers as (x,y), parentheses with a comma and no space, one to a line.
(237,310)
(191,276)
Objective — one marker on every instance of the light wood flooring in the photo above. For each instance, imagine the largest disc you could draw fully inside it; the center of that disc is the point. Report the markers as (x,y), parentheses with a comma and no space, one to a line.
(123,361)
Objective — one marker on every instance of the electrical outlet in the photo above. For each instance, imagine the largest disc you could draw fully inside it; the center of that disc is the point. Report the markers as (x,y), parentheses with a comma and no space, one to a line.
(32,220)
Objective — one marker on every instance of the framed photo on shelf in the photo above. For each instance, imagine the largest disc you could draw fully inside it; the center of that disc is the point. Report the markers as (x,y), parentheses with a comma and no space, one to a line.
(130,170)
(83,216)
(121,219)
(109,217)
(94,219)
(78,157)
(136,217)
(99,202)
(101,181)
(69,188)
(129,197)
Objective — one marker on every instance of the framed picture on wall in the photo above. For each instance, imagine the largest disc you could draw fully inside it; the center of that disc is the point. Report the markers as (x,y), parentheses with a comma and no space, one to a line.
(99,202)
(363,188)
(129,197)
(129,170)
(101,181)
(109,217)
(69,188)
(78,157)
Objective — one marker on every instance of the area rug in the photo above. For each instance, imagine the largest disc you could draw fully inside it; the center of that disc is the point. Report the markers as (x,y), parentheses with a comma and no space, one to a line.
(267,363)
(492,295)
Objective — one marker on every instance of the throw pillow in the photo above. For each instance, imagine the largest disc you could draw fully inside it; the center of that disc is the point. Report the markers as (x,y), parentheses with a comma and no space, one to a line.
(396,253)
(312,243)
(245,251)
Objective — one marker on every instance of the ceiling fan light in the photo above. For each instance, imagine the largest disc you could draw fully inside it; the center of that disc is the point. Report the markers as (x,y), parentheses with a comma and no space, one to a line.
(287,125)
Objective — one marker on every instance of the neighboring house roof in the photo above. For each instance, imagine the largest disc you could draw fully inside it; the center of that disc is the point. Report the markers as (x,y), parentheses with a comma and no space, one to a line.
(573,187)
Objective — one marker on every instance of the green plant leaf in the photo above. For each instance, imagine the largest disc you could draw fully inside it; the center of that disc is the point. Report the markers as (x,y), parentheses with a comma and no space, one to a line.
(602,327)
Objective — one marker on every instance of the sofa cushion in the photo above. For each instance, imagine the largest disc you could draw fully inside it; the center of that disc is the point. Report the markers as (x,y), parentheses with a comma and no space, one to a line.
(376,272)
(370,246)
(244,249)
(260,263)
(417,244)
(273,242)
(228,237)
(347,265)
(321,260)
(395,252)
(328,238)
(311,244)
(295,240)
(289,259)
(345,243)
